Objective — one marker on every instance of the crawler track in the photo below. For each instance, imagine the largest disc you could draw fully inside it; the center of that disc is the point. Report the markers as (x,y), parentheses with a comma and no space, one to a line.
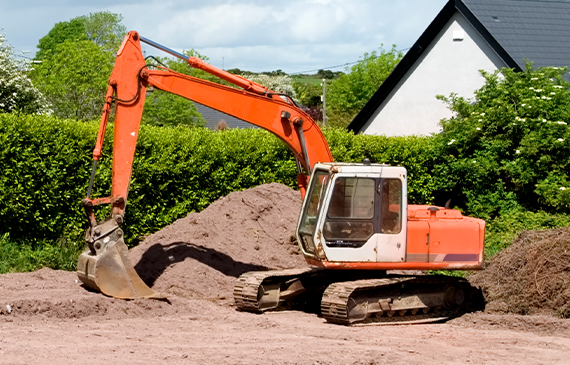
(259,291)
(355,298)
(398,300)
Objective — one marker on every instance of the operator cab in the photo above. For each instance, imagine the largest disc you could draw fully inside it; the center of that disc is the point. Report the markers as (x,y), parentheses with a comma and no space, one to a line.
(354,213)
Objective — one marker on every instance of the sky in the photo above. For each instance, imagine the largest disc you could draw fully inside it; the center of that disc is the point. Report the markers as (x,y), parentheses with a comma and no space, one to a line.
(295,36)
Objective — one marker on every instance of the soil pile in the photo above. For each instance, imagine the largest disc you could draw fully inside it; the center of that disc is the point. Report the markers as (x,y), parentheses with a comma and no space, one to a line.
(48,293)
(201,255)
(532,276)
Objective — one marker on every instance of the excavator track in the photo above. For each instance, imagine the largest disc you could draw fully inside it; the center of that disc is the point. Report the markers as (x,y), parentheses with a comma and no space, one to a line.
(358,298)
(259,291)
(398,300)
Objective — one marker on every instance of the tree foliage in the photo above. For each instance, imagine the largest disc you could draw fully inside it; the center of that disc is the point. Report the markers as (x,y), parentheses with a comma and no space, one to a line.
(17,93)
(278,83)
(74,79)
(308,94)
(327,74)
(166,109)
(508,148)
(351,91)
(73,30)
(102,28)
(75,60)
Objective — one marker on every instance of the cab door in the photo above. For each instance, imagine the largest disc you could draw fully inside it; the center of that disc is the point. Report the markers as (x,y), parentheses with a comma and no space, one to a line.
(349,222)
(391,236)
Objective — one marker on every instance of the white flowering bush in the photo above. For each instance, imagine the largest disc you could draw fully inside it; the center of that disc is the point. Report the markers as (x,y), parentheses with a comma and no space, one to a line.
(516,129)
(280,84)
(17,93)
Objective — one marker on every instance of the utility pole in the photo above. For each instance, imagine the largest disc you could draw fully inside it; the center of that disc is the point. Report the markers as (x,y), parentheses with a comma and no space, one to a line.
(324,100)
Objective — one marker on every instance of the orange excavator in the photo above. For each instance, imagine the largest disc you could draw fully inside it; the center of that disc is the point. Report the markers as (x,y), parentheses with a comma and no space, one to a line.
(355,222)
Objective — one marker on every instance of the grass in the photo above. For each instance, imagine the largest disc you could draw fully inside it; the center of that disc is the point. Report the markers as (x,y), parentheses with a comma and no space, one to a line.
(22,257)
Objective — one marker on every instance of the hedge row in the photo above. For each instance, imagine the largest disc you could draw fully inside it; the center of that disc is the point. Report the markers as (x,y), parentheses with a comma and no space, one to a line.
(46,163)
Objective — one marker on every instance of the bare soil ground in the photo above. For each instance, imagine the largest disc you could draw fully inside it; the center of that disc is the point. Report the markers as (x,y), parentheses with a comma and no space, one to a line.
(48,317)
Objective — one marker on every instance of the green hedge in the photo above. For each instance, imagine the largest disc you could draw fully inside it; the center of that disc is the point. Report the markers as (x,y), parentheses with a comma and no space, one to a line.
(44,171)
(47,161)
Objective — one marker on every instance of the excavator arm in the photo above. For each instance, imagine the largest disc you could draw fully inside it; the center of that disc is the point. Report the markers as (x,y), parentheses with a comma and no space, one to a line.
(105,266)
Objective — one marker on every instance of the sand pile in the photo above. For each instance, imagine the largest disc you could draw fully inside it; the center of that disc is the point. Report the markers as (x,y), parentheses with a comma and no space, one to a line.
(532,276)
(201,255)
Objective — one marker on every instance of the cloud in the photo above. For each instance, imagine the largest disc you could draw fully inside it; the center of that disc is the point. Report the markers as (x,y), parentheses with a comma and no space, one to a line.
(261,34)
(295,35)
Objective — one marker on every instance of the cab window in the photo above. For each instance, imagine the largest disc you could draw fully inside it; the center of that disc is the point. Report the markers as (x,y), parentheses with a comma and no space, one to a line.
(350,212)
(352,198)
(391,212)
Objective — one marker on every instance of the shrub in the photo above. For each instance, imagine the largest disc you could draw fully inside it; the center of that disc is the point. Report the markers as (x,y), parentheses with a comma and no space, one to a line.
(45,163)
(508,149)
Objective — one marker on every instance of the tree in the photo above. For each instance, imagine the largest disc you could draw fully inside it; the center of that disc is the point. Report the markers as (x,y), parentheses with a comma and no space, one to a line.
(351,91)
(235,71)
(74,79)
(72,30)
(308,93)
(104,29)
(278,83)
(275,73)
(508,148)
(325,74)
(17,93)
(75,60)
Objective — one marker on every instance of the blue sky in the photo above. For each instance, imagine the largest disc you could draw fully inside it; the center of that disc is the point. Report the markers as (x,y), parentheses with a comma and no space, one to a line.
(255,35)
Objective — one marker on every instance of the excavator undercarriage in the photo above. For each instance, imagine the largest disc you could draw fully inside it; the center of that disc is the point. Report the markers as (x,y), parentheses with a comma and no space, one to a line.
(354,298)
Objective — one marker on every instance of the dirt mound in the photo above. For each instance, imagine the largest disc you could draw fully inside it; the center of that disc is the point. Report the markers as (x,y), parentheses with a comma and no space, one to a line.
(48,293)
(532,276)
(201,255)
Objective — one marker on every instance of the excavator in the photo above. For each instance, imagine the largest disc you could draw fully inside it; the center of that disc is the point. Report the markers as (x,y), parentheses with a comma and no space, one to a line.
(355,226)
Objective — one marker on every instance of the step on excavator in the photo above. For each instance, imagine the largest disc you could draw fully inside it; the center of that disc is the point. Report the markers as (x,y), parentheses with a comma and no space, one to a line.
(355,224)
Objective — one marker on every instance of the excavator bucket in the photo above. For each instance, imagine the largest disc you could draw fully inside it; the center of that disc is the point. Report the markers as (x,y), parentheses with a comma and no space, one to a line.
(110,271)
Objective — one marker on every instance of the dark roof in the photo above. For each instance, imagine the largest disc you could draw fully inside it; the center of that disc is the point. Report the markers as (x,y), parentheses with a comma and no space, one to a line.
(533,29)
(213,117)
(538,30)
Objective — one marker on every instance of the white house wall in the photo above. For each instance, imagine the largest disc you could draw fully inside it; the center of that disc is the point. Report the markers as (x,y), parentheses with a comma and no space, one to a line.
(447,66)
